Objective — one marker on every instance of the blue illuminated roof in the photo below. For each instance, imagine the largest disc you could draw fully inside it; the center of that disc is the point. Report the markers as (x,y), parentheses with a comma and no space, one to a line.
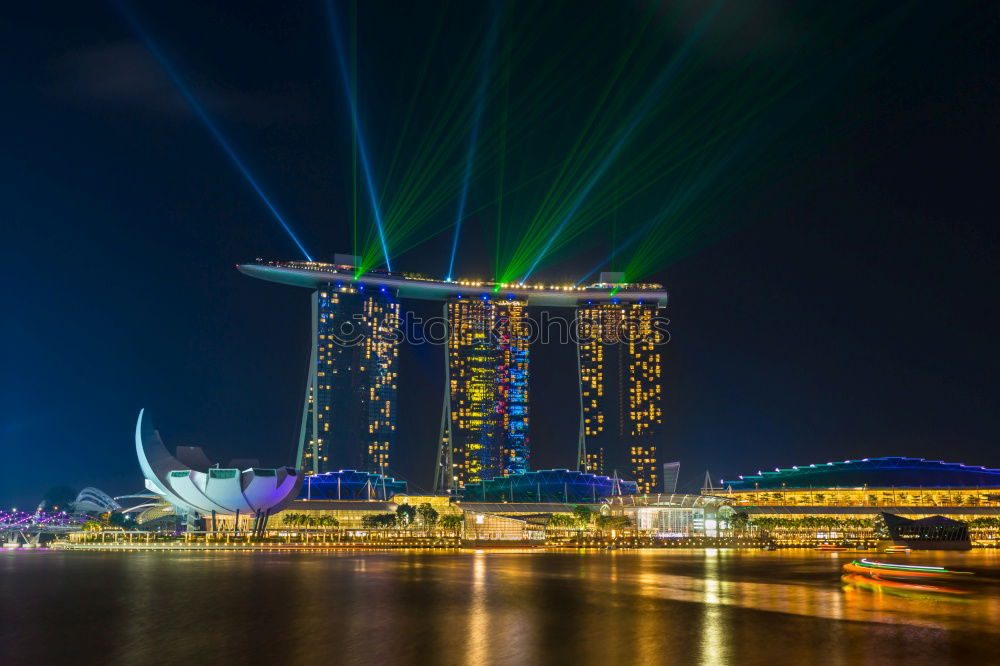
(548,485)
(872,472)
(349,484)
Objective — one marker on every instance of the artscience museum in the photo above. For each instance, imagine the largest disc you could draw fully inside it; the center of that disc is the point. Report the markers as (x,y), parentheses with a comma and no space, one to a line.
(198,488)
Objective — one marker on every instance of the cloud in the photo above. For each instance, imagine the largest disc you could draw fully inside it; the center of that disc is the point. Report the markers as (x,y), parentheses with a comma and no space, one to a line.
(125,75)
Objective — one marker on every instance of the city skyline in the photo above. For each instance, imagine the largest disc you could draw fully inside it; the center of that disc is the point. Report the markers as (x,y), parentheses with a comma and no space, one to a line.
(802,329)
(646,332)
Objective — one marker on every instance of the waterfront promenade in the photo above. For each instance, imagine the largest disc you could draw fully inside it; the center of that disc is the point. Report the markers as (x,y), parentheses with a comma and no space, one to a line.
(210,542)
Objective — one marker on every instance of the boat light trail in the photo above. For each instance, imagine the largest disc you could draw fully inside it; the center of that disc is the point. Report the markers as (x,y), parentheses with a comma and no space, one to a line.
(338,44)
(213,129)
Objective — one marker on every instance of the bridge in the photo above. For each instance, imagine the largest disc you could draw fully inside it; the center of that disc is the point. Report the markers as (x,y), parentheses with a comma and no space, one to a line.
(22,529)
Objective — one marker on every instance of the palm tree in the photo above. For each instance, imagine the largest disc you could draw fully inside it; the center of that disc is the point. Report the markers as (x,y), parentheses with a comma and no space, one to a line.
(583,516)
(405,514)
(740,521)
(428,515)
(92,526)
(613,522)
(453,522)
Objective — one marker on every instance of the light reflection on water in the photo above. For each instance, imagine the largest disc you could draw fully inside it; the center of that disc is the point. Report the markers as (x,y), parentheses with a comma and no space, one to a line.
(655,606)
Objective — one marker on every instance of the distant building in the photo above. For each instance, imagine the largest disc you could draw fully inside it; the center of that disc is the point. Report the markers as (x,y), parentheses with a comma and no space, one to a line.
(870,482)
(94,500)
(849,497)
(620,373)
(671,471)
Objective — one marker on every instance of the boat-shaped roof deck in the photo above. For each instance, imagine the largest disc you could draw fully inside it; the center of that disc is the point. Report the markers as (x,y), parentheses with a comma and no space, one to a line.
(313,275)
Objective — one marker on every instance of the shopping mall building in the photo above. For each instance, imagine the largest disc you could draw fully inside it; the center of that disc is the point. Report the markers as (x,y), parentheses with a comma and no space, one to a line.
(842,499)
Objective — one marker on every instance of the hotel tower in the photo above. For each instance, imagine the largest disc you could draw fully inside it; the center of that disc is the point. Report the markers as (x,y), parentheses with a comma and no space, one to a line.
(349,411)
(620,368)
(484,421)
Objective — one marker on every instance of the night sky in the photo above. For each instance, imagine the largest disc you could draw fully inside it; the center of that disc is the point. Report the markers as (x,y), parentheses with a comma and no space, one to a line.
(836,302)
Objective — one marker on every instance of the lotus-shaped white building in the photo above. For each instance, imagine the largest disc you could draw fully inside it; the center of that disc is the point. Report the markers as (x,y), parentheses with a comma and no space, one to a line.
(192,484)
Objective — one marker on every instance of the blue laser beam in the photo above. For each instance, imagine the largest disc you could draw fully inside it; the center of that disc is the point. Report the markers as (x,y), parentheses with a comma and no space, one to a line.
(473,140)
(338,45)
(655,91)
(213,129)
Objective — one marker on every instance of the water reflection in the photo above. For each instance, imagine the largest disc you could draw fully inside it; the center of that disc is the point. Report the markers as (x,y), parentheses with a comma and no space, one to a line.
(713,645)
(477,634)
(698,606)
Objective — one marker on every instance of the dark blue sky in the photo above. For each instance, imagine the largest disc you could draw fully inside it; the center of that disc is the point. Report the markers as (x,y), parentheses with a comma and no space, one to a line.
(848,314)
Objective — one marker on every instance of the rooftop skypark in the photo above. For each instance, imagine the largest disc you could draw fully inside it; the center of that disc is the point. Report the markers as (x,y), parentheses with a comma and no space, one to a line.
(312,274)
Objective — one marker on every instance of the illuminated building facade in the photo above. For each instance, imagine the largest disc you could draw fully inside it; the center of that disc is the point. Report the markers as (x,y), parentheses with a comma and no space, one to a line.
(349,413)
(892,482)
(484,421)
(195,486)
(642,460)
(595,461)
(620,372)
(805,504)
